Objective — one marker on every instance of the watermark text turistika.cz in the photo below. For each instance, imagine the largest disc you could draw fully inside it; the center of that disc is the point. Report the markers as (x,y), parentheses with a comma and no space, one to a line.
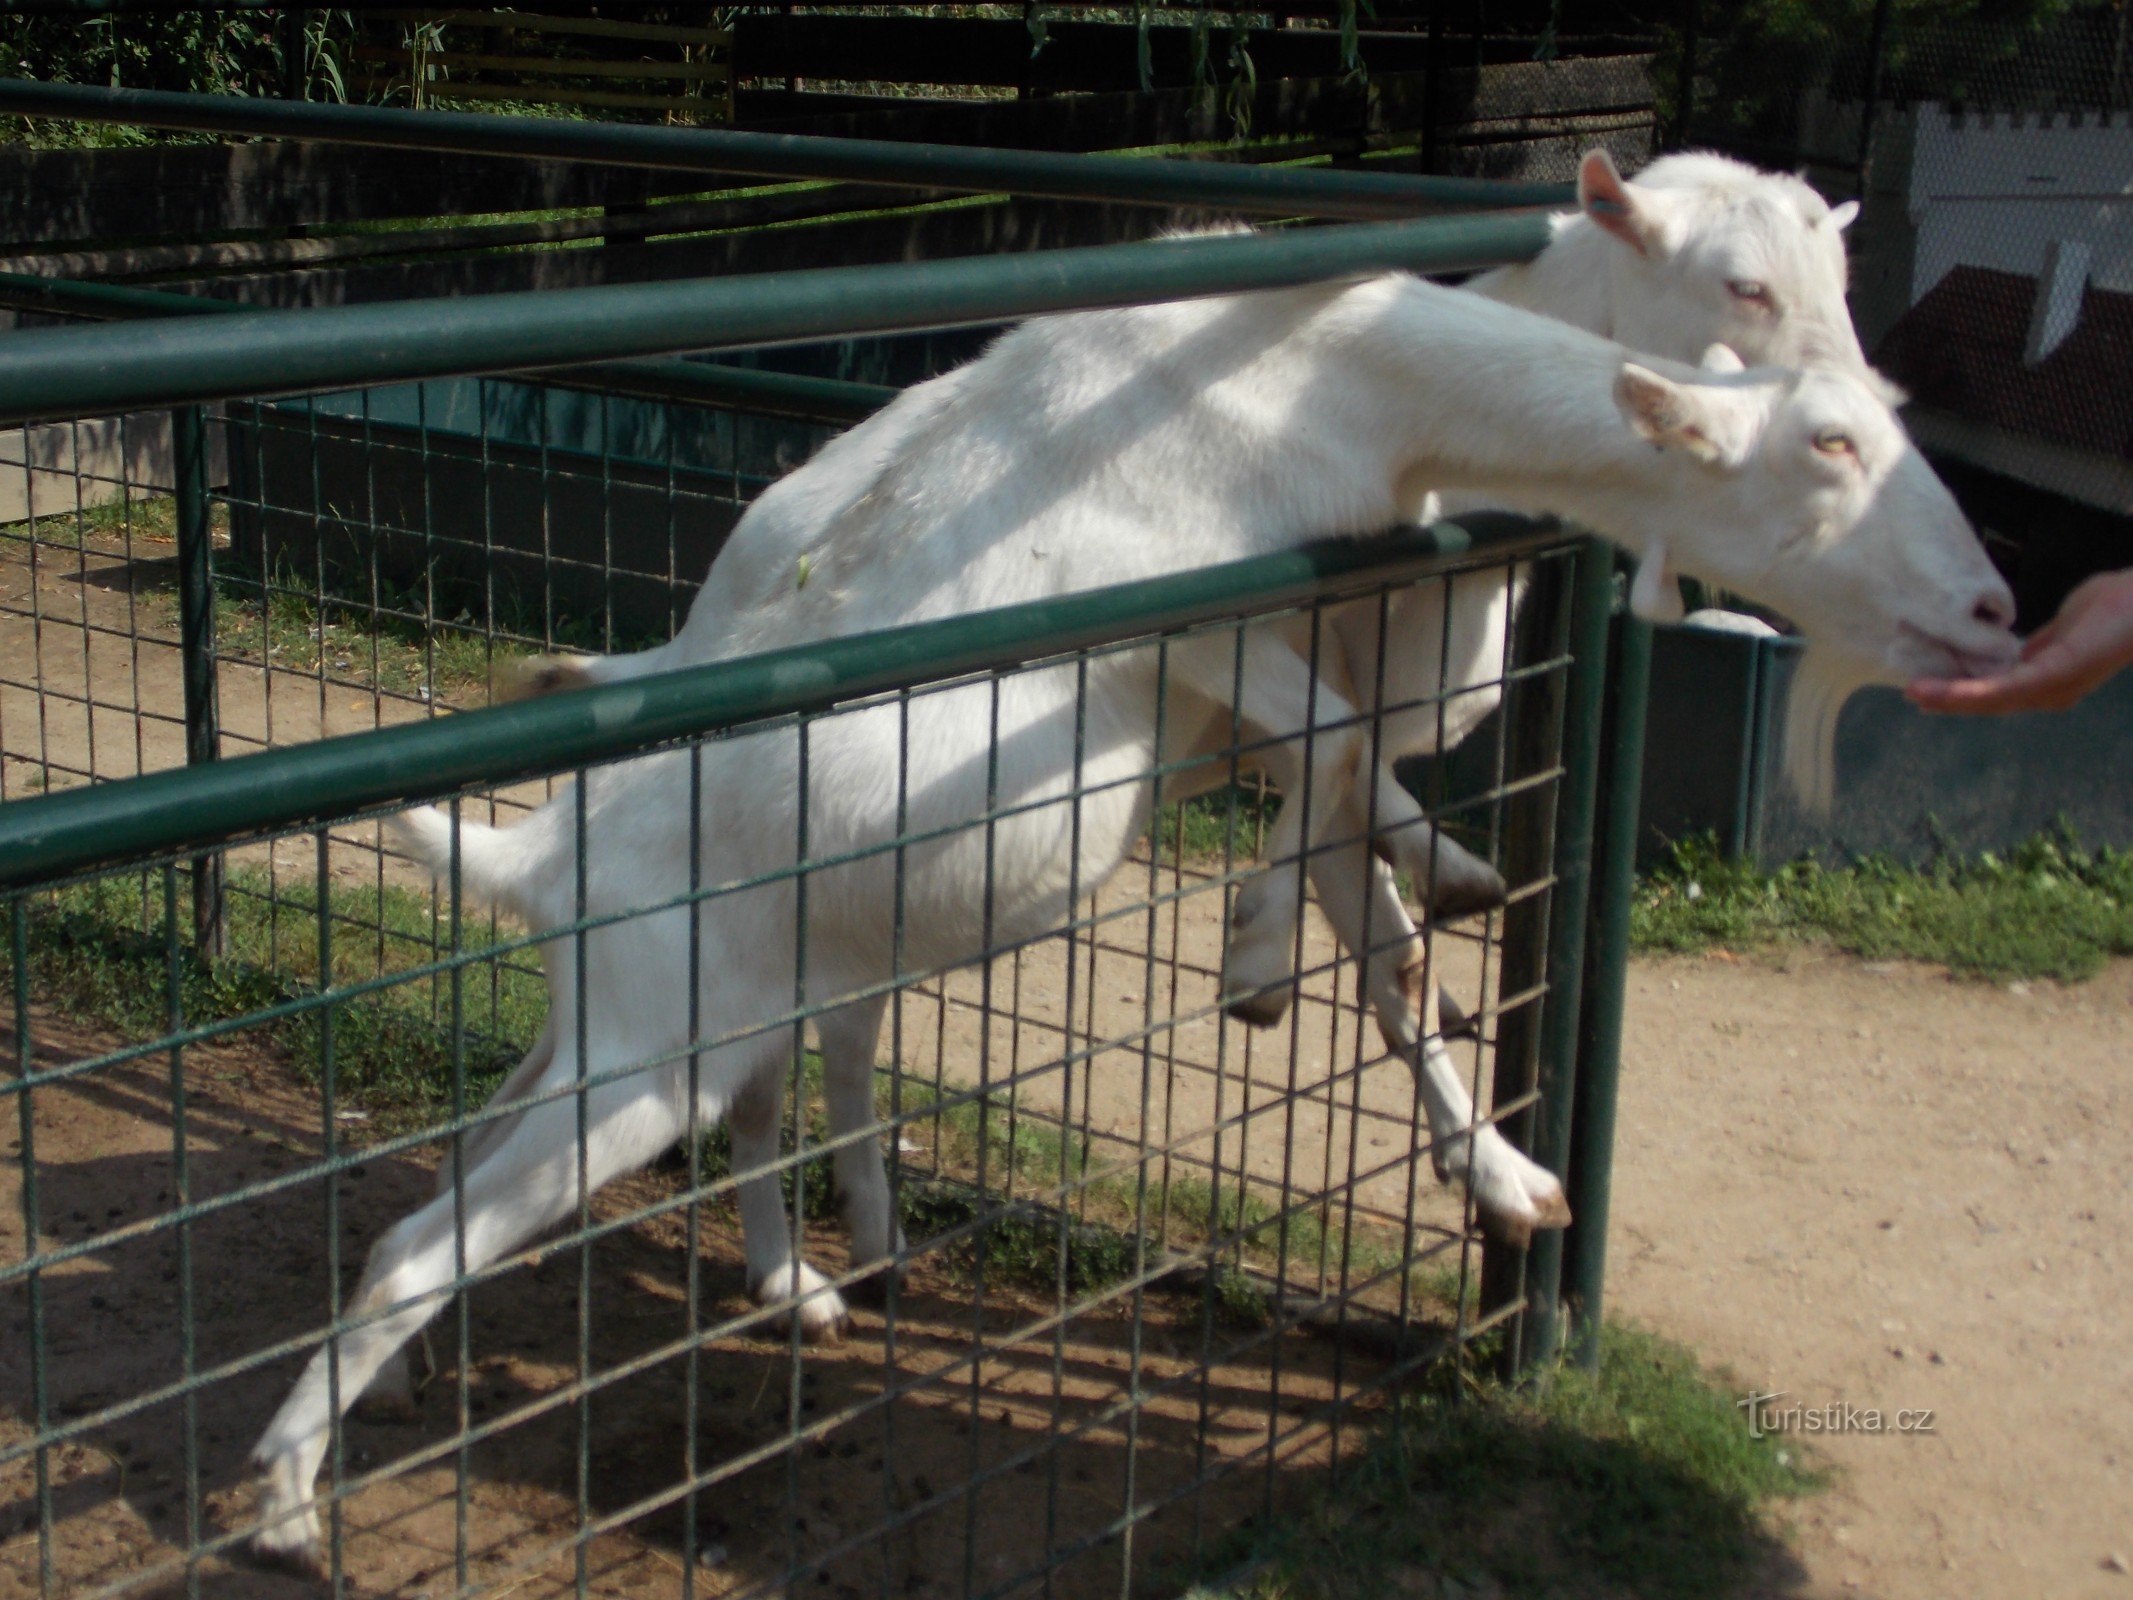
(1770,1414)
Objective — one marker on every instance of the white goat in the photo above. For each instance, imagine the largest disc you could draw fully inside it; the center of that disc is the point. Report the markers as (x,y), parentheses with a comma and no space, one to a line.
(1700,251)
(1084,450)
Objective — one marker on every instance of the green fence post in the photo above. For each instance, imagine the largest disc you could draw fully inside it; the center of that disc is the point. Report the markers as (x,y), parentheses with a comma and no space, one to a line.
(1549,1061)
(196,644)
(1592,1131)
(295,70)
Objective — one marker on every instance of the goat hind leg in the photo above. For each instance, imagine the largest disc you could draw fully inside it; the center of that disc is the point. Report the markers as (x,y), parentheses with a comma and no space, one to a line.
(525,1184)
(777,1276)
(849,1035)
(391,1394)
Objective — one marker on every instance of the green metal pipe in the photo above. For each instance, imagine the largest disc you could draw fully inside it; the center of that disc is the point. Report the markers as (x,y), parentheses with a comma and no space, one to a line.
(1132,180)
(196,644)
(1545,1132)
(707,383)
(776,394)
(45,838)
(1592,1133)
(67,372)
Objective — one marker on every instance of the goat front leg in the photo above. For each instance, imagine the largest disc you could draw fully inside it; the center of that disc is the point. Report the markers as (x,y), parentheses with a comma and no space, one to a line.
(1513,1195)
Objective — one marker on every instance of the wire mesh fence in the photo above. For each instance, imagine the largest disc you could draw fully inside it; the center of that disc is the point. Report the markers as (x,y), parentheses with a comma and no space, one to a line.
(524,1125)
(1153,1266)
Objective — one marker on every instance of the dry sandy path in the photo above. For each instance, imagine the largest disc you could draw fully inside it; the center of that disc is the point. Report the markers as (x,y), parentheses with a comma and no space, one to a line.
(1874,1184)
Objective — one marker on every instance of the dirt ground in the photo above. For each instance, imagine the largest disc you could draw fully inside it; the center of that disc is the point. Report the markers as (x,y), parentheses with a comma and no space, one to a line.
(1873,1185)
(111,1319)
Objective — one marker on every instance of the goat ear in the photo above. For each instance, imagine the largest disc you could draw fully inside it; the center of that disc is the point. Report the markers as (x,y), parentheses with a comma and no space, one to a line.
(1887,390)
(1845,215)
(1670,415)
(1613,205)
(1653,594)
(1722,358)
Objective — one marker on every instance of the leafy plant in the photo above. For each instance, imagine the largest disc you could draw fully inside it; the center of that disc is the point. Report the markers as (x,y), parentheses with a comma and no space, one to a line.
(2046,909)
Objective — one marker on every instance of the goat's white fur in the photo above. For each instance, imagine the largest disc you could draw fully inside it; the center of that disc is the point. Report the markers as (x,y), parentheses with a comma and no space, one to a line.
(1084,450)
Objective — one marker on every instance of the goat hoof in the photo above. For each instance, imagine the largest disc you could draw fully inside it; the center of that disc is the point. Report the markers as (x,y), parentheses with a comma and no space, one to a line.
(290,1546)
(1514,1219)
(1468,896)
(1516,1229)
(1260,1010)
(802,1292)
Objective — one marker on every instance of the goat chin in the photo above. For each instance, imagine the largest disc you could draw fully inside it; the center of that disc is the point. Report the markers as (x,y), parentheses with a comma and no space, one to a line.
(1821,684)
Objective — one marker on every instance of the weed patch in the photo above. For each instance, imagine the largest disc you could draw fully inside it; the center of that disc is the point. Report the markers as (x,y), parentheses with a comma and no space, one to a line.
(2047,909)
(1640,1478)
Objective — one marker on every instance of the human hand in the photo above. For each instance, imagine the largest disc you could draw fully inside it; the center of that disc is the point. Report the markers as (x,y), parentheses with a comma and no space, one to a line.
(2088,642)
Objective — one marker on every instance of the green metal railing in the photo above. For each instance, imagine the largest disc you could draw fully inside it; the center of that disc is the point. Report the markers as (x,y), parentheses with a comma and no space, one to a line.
(1563,809)
(1247,190)
(48,837)
(68,372)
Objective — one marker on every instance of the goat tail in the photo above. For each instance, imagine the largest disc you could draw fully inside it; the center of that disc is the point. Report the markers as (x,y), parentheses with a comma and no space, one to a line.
(532,677)
(493,862)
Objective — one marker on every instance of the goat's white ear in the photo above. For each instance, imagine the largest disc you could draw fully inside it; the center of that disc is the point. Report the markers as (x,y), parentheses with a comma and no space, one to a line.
(1845,215)
(1653,593)
(1614,206)
(1887,390)
(1665,413)
(1723,358)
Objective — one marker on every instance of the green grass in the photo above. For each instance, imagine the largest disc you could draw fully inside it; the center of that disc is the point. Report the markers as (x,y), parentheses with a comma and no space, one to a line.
(1231,821)
(376,638)
(2047,909)
(1640,1479)
(100,954)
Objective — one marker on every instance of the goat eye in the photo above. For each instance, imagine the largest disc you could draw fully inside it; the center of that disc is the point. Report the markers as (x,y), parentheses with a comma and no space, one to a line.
(1835,442)
(1752,290)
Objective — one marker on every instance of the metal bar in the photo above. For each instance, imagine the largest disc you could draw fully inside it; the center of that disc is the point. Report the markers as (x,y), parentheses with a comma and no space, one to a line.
(46,836)
(1870,92)
(1541,1052)
(69,372)
(773,394)
(1592,1130)
(295,73)
(196,646)
(1532,723)
(1257,190)
(1549,1143)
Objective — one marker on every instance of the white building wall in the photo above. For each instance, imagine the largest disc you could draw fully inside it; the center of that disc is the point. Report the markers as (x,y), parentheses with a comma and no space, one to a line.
(1996,190)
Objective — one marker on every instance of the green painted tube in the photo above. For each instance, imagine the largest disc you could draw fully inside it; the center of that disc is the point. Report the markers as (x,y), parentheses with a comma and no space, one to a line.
(1549,1131)
(776,394)
(196,645)
(45,838)
(1133,180)
(706,383)
(66,372)
(1592,1135)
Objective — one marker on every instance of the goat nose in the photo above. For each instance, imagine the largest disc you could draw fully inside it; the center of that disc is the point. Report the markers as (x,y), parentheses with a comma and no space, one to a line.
(1995,608)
